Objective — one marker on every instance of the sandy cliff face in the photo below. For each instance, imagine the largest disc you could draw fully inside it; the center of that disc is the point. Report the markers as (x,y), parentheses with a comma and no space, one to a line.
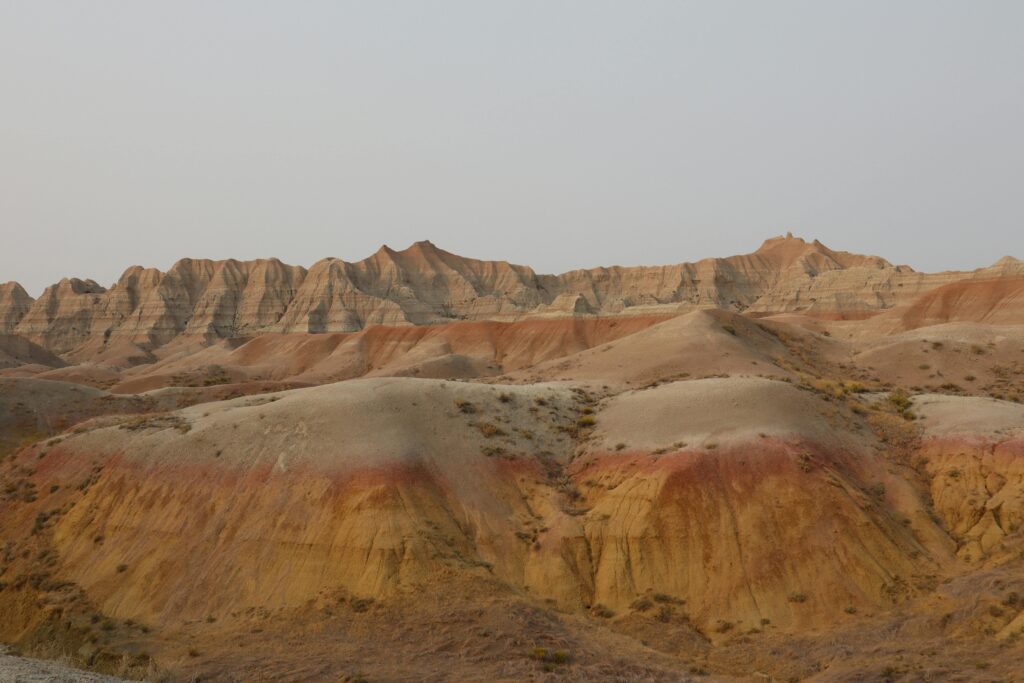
(373,486)
(973,453)
(200,301)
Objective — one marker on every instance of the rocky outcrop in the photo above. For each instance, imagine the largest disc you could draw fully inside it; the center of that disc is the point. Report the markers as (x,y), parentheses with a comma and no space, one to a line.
(14,304)
(972,451)
(200,301)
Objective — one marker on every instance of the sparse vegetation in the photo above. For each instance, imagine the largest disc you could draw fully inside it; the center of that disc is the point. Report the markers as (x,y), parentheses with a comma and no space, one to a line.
(551,659)
(805,460)
(641,605)
(490,430)
(901,402)
(360,604)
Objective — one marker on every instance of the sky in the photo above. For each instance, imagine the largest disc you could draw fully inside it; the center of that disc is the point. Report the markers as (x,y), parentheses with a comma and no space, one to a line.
(554,133)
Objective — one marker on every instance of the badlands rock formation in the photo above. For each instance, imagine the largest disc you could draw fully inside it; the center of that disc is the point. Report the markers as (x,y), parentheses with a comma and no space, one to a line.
(798,464)
(14,304)
(200,301)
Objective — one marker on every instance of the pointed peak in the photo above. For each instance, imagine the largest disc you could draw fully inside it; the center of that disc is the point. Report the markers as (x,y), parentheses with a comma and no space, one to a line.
(1008,265)
(786,240)
(13,288)
(422,247)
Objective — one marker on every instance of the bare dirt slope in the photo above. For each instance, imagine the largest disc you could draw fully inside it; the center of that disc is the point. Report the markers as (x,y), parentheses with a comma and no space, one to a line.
(702,517)
(16,351)
(458,350)
(991,301)
(699,344)
(796,464)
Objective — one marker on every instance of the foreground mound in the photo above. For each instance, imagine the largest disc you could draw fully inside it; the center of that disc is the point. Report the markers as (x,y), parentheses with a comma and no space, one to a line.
(693,516)
(699,344)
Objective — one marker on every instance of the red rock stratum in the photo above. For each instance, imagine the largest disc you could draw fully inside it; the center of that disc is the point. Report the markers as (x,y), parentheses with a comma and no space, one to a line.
(797,464)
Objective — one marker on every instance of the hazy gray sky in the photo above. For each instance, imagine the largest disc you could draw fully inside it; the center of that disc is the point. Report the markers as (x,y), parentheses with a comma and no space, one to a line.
(552,133)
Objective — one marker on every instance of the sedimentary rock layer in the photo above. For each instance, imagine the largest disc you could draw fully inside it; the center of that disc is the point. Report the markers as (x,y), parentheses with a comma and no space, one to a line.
(198,301)
(373,485)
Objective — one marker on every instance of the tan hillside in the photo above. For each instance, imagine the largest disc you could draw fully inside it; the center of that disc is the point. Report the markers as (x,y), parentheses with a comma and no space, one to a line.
(796,464)
(995,302)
